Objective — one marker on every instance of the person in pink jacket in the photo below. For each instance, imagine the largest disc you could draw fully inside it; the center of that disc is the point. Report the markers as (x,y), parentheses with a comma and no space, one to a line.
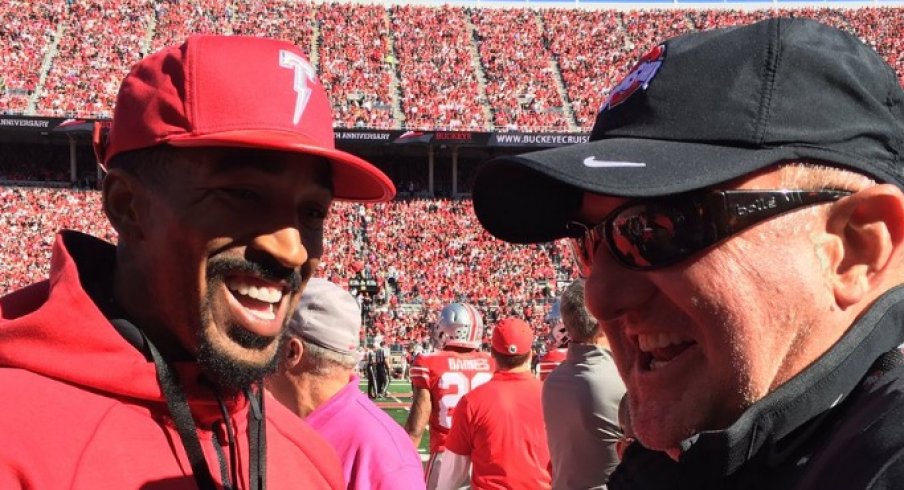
(315,379)
(139,364)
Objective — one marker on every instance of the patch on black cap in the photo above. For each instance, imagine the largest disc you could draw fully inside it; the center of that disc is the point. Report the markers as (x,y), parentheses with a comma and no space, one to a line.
(638,79)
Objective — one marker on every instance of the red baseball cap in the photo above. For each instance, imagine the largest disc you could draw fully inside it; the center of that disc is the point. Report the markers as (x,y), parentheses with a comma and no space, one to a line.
(235,91)
(512,337)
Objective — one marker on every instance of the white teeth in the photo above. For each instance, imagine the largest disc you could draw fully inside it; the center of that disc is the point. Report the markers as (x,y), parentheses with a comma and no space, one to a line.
(651,342)
(266,294)
(270,314)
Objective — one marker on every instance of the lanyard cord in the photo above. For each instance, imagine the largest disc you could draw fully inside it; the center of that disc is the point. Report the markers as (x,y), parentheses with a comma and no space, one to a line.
(188,431)
(181,414)
(257,439)
(228,478)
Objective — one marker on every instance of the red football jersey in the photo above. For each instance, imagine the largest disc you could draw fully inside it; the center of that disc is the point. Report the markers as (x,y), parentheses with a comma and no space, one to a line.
(500,426)
(550,360)
(448,375)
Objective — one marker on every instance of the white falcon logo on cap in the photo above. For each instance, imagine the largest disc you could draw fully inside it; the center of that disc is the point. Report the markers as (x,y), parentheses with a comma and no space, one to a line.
(303,72)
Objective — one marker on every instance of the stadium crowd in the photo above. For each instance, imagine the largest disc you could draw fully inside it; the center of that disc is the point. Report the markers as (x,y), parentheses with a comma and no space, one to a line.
(120,29)
(462,68)
(27,30)
(356,64)
(438,80)
(419,67)
(38,164)
(446,68)
(521,86)
(423,254)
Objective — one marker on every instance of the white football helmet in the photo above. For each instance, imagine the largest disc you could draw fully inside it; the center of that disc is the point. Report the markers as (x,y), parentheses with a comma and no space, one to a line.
(558,335)
(459,325)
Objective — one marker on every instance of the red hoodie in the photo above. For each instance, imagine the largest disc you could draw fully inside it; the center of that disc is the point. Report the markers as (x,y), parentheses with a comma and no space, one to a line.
(83,409)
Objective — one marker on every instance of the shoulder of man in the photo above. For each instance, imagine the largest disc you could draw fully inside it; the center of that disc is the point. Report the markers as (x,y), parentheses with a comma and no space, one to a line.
(864,446)
(45,409)
(859,443)
(642,469)
(302,451)
(382,440)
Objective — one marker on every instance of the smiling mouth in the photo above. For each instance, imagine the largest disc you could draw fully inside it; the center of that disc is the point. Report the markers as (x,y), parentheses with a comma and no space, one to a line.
(259,300)
(659,350)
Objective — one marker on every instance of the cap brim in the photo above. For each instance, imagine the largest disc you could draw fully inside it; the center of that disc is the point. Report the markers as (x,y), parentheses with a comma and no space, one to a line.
(529,198)
(354,179)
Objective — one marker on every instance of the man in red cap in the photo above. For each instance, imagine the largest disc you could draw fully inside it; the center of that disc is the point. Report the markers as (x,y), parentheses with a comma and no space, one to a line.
(498,427)
(148,354)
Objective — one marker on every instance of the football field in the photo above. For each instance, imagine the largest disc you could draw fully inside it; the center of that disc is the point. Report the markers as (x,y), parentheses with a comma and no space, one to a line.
(397,405)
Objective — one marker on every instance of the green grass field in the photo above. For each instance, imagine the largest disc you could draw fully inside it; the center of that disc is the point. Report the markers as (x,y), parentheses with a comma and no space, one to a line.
(397,405)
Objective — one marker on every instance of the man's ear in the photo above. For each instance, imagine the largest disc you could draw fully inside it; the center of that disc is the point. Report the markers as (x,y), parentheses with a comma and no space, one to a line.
(292,352)
(121,196)
(869,245)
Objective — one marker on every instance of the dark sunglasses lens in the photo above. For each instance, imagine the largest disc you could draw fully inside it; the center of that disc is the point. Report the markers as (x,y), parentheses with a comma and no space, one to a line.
(650,235)
(582,258)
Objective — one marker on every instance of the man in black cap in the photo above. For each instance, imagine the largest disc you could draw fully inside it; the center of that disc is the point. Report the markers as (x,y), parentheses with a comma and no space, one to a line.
(739,217)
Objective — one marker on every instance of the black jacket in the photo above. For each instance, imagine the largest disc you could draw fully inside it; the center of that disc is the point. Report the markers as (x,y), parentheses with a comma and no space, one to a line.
(839,424)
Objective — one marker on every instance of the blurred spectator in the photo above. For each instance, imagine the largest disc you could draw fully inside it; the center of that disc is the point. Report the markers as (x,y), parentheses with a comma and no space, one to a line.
(580,401)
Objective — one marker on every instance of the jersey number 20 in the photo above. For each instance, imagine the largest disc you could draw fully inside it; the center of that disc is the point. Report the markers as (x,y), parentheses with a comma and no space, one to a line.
(463,385)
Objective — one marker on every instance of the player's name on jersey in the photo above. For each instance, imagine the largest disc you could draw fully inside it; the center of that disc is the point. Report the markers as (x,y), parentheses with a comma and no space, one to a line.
(469,364)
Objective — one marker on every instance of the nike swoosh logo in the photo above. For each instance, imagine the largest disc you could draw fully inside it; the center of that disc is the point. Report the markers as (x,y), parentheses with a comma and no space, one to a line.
(592,162)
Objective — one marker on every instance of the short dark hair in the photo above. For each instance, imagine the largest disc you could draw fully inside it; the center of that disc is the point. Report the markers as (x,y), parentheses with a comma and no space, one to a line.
(149,164)
(581,326)
(506,361)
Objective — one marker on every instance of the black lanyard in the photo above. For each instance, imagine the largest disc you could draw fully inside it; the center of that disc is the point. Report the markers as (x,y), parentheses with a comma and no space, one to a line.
(188,431)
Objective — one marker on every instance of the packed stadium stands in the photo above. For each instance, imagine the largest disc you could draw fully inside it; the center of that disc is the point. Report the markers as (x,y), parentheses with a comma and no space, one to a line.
(387,67)
(384,66)
(84,76)
(521,82)
(27,33)
(356,64)
(438,76)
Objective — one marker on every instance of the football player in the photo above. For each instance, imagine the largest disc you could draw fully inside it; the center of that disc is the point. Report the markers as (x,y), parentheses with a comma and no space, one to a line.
(439,380)
(558,342)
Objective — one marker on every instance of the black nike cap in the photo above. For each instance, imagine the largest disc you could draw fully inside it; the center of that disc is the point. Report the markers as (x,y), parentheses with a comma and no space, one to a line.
(705,108)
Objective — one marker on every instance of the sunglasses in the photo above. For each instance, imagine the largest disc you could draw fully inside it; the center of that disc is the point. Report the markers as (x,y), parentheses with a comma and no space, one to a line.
(654,233)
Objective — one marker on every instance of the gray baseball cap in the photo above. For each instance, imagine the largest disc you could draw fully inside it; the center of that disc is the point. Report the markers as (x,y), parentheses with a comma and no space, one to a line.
(328,316)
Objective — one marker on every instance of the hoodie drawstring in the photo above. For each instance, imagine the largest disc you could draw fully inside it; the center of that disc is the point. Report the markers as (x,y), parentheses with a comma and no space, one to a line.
(257,438)
(188,432)
(221,459)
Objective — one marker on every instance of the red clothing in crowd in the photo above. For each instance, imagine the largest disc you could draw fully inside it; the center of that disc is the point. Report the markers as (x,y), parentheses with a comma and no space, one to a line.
(550,361)
(500,426)
(448,376)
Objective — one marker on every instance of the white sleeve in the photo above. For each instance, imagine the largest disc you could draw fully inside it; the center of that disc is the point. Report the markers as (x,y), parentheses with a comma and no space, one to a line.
(454,471)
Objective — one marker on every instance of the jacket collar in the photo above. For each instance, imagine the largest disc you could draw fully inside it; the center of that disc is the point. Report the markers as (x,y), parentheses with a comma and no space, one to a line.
(780,420)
